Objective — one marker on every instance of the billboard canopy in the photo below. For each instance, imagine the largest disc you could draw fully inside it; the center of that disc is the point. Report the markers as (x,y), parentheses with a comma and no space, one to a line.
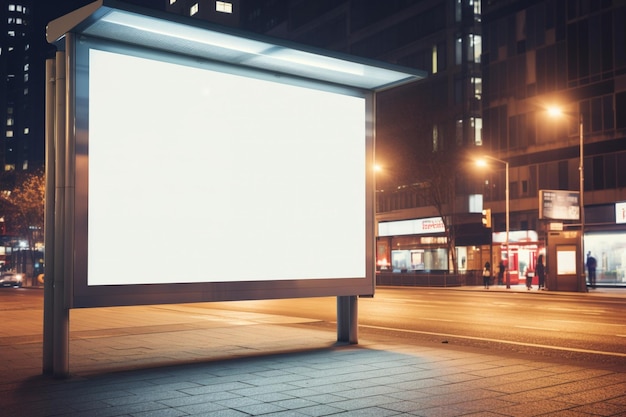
(117,21)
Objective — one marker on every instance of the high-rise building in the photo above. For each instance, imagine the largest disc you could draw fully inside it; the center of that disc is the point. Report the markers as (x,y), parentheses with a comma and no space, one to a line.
(21,114)
(570,54)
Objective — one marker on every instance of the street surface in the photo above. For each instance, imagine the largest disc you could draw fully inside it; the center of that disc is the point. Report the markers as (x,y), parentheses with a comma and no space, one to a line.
(541,324)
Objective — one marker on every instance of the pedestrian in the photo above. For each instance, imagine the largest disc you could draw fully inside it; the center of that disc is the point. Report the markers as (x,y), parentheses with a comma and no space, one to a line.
(591,268)
(529,278)
(501,269)
(540,271)
(486,275)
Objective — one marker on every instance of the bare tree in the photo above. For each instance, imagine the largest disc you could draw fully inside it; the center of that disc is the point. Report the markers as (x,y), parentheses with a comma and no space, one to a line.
(23,209)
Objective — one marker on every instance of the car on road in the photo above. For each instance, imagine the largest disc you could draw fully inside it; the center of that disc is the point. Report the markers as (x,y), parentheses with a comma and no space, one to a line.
(10,279)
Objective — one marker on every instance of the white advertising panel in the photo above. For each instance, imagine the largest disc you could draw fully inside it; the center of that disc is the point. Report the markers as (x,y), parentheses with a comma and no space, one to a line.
(204,176)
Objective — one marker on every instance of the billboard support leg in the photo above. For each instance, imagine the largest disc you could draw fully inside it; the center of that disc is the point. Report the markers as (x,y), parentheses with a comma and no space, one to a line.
(347,319)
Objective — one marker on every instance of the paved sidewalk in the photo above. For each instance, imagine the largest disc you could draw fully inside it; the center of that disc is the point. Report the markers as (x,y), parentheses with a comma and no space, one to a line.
(147,361)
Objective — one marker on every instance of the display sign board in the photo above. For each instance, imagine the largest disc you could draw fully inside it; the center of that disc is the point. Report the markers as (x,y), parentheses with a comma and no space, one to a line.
(559,205)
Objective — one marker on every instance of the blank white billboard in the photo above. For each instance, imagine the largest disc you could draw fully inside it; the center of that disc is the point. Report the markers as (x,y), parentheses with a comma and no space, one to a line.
(197,175)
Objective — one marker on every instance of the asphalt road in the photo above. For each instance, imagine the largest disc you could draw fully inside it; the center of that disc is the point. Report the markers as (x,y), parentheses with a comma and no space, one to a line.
(568,325)
(542,324)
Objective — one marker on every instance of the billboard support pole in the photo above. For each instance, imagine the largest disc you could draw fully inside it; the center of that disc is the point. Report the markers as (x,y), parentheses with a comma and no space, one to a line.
(60,319)
(48,299)
(347,319)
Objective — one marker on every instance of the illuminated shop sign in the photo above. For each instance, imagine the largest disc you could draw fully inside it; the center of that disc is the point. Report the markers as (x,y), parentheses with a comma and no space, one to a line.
(411,227)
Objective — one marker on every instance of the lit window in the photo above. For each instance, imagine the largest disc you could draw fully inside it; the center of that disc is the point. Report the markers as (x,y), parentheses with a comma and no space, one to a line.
(172,2)
(11,33)
(478,87)
(434,59)
(11,7)
(474,48)
(10,121)
(477,126)
(436,143)
(26,91)
(9,133)
(9,167)
(26,130)
(223,7)
(26,77)
(19,8)
(194,9)
(26,67)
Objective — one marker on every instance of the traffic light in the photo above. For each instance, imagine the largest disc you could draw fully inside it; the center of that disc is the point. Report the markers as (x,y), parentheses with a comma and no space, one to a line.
(487,218)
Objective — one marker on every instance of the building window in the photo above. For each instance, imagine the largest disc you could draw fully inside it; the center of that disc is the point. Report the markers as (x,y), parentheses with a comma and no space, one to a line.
(477,84)
(26,130)
(223,7)
(436,143)
(194,9)
(172,2)
(10,121)
(11,7)
(477,9)
(434,59)
(9,133)
(459,132)
(458,51)
(477,128)
(474,48)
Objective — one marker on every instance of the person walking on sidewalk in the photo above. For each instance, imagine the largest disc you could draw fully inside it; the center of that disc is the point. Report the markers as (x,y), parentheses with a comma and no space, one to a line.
(486,275)
(540,271)
(591,268)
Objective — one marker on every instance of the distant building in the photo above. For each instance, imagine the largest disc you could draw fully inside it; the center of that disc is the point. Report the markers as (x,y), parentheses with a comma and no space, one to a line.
(21,102)
(572,55)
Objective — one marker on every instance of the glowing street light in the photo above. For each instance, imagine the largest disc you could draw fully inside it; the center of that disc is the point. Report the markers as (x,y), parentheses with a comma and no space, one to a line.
(482,162)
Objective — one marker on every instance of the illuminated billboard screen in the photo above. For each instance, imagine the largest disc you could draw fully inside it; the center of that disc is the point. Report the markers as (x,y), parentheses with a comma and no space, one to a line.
(196,174)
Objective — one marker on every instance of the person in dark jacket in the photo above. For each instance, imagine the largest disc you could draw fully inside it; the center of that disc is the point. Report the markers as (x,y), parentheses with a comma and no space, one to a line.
(540,271)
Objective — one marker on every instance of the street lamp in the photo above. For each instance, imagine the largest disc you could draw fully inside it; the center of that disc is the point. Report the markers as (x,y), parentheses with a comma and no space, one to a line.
(482,162)
(557,112)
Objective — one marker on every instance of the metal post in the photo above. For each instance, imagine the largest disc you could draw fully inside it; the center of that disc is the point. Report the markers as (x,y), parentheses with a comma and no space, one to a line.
(48,298)
(347,319)
(507,214)
(582,282)
(60,362)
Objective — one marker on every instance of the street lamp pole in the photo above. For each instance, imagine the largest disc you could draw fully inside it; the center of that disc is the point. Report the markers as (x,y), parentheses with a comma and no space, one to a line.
(507,215)
(582,282)
(556,111)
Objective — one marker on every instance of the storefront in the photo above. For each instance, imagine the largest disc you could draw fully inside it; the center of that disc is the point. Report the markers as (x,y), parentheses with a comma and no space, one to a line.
(420,245)
(524,248)
(606,242)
